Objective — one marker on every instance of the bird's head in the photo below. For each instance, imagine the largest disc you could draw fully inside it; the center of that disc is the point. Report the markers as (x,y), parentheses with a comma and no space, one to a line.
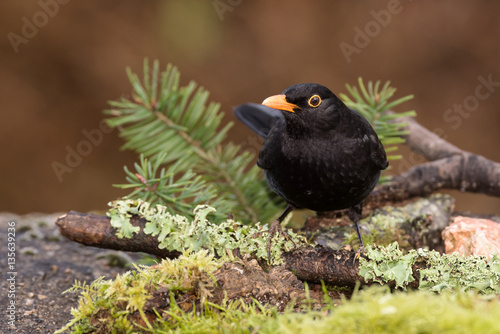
(307,102)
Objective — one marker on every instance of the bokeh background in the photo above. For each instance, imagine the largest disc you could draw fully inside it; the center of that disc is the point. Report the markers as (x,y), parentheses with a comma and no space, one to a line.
(57,78)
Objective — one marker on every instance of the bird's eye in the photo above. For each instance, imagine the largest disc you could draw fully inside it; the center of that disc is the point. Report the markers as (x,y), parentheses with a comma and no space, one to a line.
(314,101)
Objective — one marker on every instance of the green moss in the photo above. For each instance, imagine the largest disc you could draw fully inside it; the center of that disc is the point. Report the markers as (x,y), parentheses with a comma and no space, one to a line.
(383,229)
(113,306)
(108,304)
(376,310)
(390,224)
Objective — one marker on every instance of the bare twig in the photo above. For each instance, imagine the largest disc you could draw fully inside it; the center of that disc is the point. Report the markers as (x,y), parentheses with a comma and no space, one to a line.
(448,168)
(95,230)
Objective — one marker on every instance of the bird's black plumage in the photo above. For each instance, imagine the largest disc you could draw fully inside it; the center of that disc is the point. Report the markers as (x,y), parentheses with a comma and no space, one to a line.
(318,153)
(257,117)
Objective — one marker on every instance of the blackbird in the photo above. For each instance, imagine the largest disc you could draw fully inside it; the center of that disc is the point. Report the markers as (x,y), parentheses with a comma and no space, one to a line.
(318,153)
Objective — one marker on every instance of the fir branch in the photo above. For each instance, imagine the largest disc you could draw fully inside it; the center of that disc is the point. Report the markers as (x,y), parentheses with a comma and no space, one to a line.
(163,117)
(179,193)
(173,125)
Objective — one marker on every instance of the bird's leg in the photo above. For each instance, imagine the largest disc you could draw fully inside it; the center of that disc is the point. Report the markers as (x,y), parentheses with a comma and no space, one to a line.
(276,227)
(354,215)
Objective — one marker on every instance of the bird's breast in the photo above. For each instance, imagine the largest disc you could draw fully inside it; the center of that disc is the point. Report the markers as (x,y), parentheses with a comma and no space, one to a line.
(322,175)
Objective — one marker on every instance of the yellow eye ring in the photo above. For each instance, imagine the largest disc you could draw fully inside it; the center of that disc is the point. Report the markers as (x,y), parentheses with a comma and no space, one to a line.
(314,101)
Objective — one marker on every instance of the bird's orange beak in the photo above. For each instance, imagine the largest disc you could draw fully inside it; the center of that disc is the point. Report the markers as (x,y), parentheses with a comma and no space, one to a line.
(279,102)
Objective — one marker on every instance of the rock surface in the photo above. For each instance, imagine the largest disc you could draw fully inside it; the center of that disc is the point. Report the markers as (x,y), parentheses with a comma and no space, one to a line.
(472,236)
(43,265)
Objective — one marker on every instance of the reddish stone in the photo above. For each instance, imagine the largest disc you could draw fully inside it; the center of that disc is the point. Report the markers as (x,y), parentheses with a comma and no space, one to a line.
(472,236)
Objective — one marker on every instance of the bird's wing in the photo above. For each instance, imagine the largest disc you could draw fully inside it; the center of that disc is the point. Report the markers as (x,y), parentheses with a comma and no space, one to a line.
(378,154)
(260,119)
(377,151)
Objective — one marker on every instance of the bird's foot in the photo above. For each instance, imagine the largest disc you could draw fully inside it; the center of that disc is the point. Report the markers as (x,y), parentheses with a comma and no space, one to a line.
(275,227)
(358,253)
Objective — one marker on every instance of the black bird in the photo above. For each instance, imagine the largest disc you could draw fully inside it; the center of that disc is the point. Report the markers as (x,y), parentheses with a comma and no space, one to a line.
(318,153)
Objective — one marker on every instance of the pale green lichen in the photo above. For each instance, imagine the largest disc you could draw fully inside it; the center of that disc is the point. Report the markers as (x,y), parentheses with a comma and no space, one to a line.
(443,272)
(178,233)
(386,264)
(456,272)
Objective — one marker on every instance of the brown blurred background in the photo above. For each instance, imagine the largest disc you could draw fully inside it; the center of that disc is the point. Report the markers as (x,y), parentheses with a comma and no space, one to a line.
(57,78)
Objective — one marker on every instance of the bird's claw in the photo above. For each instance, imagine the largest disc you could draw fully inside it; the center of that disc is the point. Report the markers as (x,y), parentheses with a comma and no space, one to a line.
(275,227)
(357,255)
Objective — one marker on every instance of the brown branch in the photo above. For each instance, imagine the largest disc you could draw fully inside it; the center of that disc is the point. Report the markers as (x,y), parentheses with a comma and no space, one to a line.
(95,230)
(426,143)
(448,168)
(334,267)
(312,264)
